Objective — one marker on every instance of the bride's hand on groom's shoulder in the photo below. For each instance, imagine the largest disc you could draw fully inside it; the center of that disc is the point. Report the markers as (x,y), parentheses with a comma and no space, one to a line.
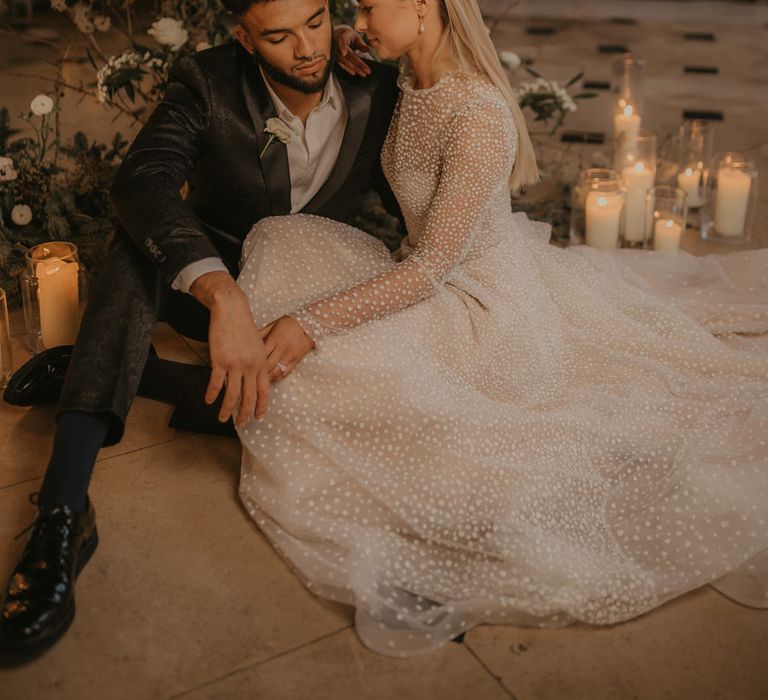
(286,344)
(348,42)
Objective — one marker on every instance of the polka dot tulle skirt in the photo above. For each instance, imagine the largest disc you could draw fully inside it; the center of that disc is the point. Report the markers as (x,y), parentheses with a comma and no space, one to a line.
(492,430)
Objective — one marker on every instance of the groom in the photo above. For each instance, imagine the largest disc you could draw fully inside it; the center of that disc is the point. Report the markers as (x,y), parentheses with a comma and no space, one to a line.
(176,258)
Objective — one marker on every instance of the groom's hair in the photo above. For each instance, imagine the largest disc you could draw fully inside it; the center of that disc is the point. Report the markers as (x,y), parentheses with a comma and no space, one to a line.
(239,7)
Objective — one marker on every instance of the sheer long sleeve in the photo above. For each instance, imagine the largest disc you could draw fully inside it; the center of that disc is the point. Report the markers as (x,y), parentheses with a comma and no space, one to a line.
(477,159)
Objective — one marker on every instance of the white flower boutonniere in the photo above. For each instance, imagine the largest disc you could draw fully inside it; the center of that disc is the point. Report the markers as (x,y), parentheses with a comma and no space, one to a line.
(277,129)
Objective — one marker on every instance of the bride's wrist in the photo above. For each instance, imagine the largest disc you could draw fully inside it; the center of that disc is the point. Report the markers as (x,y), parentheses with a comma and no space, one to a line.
(308,324)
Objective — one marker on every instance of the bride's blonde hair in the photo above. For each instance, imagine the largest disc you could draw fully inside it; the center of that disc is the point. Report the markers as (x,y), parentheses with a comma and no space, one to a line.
(469,43)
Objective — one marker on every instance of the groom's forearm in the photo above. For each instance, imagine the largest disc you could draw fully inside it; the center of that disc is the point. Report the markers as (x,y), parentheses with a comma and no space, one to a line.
(214,288)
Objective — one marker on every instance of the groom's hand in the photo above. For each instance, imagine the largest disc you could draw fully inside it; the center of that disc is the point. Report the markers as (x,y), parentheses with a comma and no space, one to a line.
(348,41)
(238,358)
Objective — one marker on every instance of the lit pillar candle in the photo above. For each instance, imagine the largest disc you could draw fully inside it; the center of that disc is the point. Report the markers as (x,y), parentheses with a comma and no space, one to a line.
(689,181)
(666,235)
(603,219)
(638,179)
(627,122)
(732,201)
(57,293)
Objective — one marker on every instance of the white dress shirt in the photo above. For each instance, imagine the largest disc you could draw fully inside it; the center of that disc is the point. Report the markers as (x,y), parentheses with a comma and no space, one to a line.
(312,152)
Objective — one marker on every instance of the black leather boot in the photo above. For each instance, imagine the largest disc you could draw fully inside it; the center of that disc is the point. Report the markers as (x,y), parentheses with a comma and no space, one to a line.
(39,602)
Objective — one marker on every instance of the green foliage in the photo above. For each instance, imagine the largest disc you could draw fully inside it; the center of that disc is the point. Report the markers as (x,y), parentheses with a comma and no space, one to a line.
(66,186)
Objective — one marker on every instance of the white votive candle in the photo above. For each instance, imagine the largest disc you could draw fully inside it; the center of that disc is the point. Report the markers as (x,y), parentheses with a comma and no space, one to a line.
(666,235)
(57,294)
(689,181)
(627,122)
(638,179)
(603,219)
(732,201)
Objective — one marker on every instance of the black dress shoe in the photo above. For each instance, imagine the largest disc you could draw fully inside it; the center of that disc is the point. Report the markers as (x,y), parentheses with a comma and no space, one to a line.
(39,380)
(39,602)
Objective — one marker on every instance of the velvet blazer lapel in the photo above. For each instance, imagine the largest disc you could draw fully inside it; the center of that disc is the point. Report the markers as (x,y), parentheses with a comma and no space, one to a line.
(273,164)
(357,94)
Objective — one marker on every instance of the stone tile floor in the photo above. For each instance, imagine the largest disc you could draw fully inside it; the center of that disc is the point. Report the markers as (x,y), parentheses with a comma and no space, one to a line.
(185,598)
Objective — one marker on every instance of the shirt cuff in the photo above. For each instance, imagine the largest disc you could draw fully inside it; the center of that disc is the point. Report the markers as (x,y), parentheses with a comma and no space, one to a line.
(186,278)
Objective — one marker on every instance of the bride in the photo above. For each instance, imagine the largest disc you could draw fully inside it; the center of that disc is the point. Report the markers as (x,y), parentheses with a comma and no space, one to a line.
(489,429)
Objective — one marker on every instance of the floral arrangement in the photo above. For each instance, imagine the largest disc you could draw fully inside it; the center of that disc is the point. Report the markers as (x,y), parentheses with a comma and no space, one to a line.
(51,190)
(547,99)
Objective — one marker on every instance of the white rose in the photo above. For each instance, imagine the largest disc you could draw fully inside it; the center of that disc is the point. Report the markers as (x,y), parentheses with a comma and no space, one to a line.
(7,169)
(510,59)
(202,46)
(169,32)
(102,23)
(41,105)
(278,129)
(21,215)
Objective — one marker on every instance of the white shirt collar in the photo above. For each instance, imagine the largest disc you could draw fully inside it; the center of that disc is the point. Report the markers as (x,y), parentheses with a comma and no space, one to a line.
(330,97)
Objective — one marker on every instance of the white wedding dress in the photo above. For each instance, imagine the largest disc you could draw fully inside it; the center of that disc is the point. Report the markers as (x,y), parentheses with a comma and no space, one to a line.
(495,430)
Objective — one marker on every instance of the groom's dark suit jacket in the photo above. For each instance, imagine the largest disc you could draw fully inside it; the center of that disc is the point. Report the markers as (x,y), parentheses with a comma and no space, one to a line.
(209,131)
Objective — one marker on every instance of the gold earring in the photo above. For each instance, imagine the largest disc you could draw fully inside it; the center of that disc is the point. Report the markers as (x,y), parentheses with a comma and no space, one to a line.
(421,25)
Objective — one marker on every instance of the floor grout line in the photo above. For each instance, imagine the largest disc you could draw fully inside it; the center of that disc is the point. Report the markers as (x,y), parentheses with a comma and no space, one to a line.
(106,459)
(258,663)
(491,673)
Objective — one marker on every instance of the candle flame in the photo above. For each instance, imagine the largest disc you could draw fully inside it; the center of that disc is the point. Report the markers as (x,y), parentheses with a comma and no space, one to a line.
(688,172)
(639,167)
(629,110)
(602,202)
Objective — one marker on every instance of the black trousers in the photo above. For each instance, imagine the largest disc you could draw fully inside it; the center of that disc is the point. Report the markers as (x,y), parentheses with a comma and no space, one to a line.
(112,347)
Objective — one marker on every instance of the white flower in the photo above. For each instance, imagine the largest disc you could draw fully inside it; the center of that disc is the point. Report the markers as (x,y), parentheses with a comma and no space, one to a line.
(59,5)
(510,59)
(278,129)
(21,215)
(102,23)
(81,15)
(7,170)
(169,32)
(41,105)
(202,46)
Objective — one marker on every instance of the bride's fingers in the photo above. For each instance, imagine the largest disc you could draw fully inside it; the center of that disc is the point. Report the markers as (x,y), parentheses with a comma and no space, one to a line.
(289,367)
(266,330)
(346,65)
(276,368)
(269,347)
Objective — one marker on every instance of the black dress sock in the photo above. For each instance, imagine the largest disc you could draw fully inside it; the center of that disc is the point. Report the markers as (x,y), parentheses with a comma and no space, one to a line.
(79,437)
(165,380)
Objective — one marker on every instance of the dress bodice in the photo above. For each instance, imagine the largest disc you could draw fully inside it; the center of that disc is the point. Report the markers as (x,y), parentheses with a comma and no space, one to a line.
(414,153)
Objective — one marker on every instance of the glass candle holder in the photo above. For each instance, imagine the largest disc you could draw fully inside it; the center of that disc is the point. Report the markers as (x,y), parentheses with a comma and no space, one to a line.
(696,139)
(597,203)
(636,161)
(6,358)
(629,88)
(54,288)
(667,213)
(729,213)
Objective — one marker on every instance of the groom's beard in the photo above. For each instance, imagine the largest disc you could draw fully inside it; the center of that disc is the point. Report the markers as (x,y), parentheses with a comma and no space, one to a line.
(308,87)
